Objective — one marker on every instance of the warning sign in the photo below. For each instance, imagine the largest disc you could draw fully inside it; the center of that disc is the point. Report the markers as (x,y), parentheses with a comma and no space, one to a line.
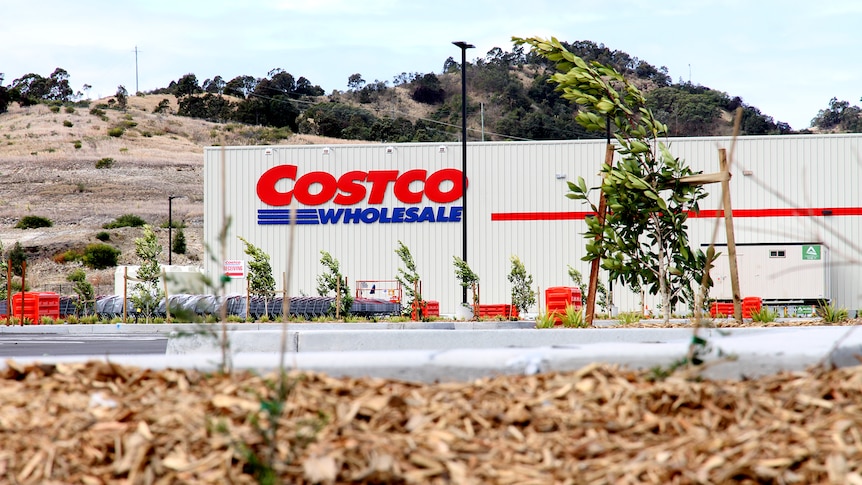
(234,268)
(810,252)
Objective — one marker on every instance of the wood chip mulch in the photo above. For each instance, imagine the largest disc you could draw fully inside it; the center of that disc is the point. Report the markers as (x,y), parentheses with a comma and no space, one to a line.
(98,423)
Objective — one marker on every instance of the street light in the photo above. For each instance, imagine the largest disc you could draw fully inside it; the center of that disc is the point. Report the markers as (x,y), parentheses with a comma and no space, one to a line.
(464,46)
(170,226)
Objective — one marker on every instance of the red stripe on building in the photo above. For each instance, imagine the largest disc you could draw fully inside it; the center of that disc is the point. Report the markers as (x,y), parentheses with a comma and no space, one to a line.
(741,213)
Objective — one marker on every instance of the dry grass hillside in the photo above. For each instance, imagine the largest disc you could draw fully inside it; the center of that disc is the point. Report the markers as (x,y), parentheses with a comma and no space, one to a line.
(48,168)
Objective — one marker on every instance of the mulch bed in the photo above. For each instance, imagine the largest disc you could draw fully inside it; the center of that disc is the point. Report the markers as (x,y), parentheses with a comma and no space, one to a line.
(98,423)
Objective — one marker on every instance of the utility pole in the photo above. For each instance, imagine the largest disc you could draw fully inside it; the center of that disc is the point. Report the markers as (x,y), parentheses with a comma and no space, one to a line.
(137,89)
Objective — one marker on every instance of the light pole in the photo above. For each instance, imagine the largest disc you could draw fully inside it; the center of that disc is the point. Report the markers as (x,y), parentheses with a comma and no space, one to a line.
(464,46)
(170,226)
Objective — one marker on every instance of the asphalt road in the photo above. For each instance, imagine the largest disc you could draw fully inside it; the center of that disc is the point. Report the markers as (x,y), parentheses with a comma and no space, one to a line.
(38,345)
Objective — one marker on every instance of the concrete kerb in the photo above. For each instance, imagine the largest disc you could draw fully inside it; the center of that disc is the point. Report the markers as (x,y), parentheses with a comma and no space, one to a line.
(424,353)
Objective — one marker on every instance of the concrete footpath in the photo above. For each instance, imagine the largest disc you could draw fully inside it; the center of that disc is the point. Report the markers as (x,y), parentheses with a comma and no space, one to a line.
(458,351)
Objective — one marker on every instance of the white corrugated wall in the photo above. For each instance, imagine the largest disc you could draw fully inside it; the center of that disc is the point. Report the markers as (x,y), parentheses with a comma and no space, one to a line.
(527,180)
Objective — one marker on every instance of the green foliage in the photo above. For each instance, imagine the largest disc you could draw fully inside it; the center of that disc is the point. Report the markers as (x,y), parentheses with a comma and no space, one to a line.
(125,220)
(523,295)
(33,222)
(546,320)
(831,313)
(178,245)
(261,283)
(629,318)
(106,162)
(16,258)
(69,256)
(602,297)
(334,281)
(147,294)
(164,106)
(116,131)
(839,116)
(466,277)
(103,236)
(67,124)
(409,278)
(77,144)
(84,290)
(764,315)
(573,318)
(3,273)
(427,89)
(122,97)
(100,256)
(643,240)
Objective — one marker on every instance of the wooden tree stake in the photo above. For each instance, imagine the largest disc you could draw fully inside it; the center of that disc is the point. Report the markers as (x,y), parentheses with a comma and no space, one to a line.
(731,239)
(594,266)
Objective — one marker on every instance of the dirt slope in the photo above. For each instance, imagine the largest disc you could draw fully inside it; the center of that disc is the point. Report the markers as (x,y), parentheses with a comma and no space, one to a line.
(42,173)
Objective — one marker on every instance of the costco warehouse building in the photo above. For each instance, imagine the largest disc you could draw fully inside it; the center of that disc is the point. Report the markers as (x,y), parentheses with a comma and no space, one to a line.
(796,203)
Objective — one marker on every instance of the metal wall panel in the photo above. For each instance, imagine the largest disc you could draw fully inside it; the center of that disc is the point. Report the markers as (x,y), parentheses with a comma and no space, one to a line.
(527,180)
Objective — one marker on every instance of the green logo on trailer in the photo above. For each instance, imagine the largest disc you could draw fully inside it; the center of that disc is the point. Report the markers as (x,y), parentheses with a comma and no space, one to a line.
(811,252)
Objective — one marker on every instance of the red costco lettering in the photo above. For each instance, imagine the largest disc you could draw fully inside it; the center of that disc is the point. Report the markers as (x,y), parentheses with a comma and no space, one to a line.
(317,188)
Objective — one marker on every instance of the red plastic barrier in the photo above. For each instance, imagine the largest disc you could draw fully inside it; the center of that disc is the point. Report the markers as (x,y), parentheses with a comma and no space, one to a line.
(497,310)
(557,298)
(35,305)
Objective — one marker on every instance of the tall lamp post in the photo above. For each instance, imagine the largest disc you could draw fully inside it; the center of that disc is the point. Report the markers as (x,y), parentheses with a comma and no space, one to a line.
(464,46)
(170,226)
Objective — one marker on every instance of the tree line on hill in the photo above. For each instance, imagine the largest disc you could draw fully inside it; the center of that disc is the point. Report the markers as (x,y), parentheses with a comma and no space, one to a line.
(509,95)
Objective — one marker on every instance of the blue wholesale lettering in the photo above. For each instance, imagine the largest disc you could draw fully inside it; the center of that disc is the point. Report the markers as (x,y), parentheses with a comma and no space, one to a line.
(368,215)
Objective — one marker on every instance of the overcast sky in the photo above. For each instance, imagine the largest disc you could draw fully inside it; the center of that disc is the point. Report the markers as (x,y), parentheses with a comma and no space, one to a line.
(786,57)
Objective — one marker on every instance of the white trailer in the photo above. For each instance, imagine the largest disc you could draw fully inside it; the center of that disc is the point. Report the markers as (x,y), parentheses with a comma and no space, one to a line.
(777,273)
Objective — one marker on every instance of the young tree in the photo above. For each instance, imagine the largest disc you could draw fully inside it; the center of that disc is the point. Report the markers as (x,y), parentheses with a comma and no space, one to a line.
(335,282)
(16,258)
(147,294)
(601,291)
(83,289)
(644,238)
(409,279)
(523,295)
(178,245)
(122,97)
(3,268)
(260,280)
(466,277)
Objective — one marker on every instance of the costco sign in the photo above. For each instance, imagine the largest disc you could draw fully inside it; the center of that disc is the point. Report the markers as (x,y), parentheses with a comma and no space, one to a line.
(413,188)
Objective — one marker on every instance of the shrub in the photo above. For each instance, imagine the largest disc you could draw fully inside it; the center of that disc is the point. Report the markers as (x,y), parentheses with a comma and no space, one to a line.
(77,144)
(764,315)
(97,112)
(832,314)
(70,109)
(55,109)
(546,320)
(125,220)
(69,256)
(100,256)
(628,318)
(33,222)
(67,124)
(116,131)
(16,258)
(573,318)
(106,162)
(103,236)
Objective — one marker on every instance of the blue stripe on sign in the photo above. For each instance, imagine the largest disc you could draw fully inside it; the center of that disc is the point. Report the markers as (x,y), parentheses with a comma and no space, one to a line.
(282,216)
